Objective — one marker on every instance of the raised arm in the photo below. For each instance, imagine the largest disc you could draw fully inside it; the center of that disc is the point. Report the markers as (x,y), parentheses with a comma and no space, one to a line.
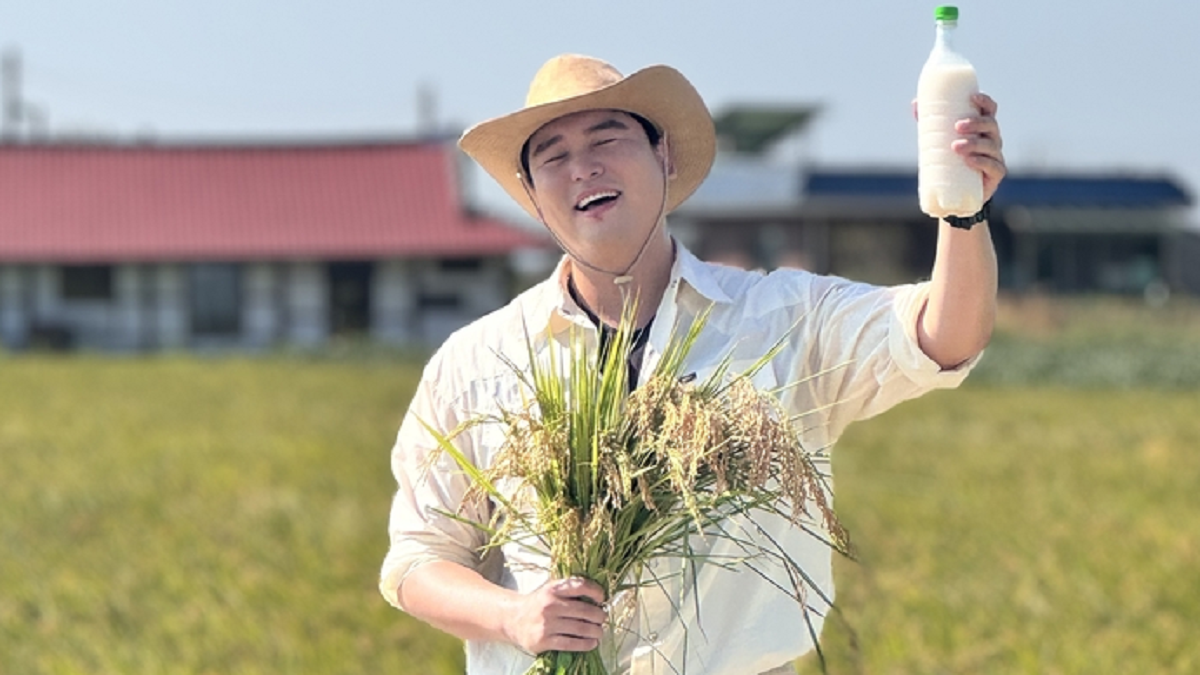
(958,318)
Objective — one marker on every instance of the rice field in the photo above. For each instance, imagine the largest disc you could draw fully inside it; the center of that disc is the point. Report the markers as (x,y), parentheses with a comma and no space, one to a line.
(1022,530)
(181,514)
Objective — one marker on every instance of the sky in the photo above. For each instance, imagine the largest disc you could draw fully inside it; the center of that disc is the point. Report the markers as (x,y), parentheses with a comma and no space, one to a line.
(1094,86)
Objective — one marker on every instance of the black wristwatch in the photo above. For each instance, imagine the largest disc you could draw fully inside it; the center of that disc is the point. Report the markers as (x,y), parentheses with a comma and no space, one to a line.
(966,223)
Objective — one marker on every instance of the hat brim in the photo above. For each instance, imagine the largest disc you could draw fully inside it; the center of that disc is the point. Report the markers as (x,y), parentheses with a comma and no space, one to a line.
(659,93)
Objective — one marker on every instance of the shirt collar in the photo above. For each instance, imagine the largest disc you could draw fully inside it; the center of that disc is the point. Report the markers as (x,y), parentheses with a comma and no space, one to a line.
(552,308)
(698,275)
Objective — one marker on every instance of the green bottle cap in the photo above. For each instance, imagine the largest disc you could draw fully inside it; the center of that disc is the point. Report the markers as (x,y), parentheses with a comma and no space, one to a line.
(946,13)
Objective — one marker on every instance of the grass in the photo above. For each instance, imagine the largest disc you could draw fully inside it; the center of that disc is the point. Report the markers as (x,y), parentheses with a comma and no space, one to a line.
(1022,530)
(226,515)
(1094,342)
(201,516)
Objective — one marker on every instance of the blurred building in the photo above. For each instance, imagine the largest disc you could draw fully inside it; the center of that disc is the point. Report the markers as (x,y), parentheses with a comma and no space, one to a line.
(167,246)
(131,247)
(1054,232)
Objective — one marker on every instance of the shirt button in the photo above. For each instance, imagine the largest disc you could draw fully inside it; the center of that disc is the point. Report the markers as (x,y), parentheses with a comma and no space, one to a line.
(653,637)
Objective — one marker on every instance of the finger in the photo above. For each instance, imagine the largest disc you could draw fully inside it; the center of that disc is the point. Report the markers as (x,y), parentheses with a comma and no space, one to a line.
(975,138)
(570,635)
(982,126)
(579,629)
(577,587)
(914,109)
(993,169)
(978,145)
(566,643)
(986,104)
(581,610)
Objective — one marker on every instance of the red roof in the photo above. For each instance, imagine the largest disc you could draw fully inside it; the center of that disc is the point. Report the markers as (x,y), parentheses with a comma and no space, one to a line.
(109,203)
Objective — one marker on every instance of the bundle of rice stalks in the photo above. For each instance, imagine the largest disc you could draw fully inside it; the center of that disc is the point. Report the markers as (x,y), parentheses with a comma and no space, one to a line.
(612,479)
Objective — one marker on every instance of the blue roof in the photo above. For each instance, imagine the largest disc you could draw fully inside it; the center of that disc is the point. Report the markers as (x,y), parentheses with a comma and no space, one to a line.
(1041,190)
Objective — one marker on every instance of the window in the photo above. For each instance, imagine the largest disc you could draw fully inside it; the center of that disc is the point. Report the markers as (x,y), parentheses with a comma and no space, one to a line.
(216,299)
(439,301)
(460,264)
(87,282)
(350,297)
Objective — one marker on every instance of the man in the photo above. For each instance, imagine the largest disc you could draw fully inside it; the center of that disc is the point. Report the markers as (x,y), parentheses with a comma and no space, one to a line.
(600,159)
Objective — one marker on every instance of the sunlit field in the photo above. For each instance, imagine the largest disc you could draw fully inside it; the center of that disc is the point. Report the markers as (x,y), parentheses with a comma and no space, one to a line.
(1022,530)
(182,514)
(201,516)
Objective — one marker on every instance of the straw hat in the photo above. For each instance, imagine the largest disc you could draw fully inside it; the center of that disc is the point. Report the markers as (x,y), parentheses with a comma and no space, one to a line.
(571,83)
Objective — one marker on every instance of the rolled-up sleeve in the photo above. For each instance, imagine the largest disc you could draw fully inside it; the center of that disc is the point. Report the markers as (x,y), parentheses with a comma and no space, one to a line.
(421,526)
(905,348)
(870,342)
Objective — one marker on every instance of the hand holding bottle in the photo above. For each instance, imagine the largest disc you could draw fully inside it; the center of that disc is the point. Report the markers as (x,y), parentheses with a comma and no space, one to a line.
(980,144)
(960,161)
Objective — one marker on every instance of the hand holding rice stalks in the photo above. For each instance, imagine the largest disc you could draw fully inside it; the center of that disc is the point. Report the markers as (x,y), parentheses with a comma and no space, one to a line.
(610,480)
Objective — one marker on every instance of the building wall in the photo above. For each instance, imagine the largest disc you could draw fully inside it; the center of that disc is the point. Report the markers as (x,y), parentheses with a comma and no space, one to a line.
(411,302)
(449,295)
(1185,263)
(90,322)
(873,250)
(393,302)
(263,314)
(169,315)
(892,251)
(14,312)
(127,313)
(306,304)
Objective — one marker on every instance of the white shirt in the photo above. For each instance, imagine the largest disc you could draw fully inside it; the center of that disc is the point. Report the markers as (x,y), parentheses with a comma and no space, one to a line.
(854,348)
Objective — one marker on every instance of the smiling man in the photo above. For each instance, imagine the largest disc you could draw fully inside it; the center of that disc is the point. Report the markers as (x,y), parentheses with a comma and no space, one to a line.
(600,160)
(600,176)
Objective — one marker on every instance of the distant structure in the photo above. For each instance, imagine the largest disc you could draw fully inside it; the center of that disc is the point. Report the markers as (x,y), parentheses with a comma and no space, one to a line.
(144,246)
(754,129)
(1055,232)
(12,108)
(147,245)
(20,120)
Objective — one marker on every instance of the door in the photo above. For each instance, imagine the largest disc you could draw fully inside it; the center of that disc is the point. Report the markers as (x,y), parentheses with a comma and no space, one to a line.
(350,297)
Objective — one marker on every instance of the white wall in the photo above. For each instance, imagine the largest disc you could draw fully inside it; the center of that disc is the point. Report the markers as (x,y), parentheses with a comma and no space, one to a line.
(262,315)
(170,313)
(307,303)
(127,313)
(393,301)
(480,291)
(284,302)
(46,303)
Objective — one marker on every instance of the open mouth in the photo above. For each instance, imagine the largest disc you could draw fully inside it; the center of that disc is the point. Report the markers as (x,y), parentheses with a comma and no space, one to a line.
(599,199)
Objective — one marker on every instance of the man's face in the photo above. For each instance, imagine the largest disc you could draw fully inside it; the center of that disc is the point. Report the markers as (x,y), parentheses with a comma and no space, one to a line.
(599,184)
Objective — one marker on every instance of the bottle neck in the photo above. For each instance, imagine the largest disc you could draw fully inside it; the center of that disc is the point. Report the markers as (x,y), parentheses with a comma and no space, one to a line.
(945,34)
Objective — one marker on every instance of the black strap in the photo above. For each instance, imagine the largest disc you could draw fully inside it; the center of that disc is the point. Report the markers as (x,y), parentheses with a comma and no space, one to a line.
(637,341)
(966,223)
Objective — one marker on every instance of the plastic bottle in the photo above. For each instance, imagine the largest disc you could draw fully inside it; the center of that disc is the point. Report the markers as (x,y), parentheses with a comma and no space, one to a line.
(946,185)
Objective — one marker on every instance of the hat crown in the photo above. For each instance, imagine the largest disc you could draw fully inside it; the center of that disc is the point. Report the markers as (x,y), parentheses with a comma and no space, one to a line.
(568,76)
(572,83)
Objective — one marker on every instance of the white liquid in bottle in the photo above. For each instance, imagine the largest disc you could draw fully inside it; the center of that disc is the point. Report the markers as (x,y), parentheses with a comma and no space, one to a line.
(945,184)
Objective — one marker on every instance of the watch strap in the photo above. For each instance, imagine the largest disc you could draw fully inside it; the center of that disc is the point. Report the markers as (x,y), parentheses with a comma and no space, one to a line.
(969,221)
